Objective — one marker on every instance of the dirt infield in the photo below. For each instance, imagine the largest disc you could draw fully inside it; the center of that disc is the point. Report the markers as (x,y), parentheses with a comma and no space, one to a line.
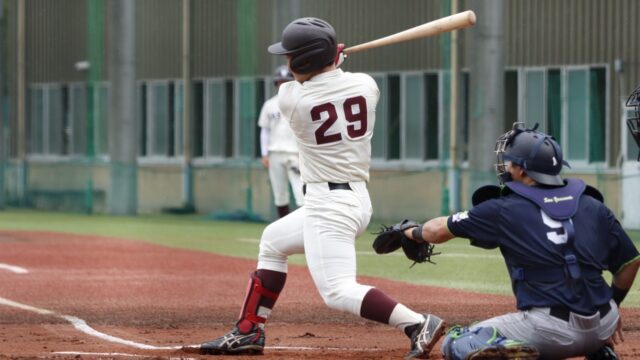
(95,297)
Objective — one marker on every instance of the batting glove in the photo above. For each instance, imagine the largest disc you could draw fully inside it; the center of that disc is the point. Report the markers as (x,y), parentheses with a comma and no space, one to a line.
(340,56)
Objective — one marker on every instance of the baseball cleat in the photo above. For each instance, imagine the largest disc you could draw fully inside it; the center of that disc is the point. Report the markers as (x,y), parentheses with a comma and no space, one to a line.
(424,338)
(236,343)
(604,353)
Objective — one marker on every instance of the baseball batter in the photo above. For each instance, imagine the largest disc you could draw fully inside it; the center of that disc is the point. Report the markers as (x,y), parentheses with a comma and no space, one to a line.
(332,115)
(557,237)
(279,149)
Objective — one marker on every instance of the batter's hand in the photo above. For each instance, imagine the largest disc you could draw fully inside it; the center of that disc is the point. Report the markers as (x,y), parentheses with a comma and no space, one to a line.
(265,161)
(340,56)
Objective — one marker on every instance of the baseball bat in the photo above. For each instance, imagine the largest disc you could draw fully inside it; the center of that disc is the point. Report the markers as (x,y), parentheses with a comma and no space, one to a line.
(457,21)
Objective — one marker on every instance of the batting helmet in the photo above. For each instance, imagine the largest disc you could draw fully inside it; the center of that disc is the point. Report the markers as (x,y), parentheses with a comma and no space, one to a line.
(282,74)
(537,153)
(633,122)
(311,42)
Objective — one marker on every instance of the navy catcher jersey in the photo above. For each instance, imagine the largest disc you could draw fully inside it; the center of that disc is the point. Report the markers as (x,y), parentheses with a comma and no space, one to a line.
(529,239)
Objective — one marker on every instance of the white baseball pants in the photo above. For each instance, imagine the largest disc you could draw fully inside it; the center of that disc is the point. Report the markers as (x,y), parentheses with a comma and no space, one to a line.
(553,337)
(324,229)
(284,169)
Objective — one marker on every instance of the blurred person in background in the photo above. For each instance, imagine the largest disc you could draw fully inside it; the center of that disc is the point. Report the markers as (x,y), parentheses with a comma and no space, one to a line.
(279,149)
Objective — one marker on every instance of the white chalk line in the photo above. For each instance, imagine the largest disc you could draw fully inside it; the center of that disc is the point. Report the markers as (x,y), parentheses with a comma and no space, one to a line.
(99,354)
(317,348)
(14,269)
(83,327)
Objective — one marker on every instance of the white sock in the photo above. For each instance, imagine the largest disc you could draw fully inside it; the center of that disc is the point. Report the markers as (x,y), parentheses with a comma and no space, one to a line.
(402,316)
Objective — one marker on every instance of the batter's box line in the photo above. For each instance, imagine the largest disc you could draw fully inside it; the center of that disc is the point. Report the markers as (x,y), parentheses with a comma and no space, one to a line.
(82,326)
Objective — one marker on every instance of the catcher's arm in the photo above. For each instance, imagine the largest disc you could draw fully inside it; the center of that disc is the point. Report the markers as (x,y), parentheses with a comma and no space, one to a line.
(391,238)
(434,231)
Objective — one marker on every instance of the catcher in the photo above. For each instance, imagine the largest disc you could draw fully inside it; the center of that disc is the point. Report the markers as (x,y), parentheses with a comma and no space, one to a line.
(557,237)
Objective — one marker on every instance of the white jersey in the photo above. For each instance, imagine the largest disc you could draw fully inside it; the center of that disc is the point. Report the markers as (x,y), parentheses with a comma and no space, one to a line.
(281,137)
(332,116)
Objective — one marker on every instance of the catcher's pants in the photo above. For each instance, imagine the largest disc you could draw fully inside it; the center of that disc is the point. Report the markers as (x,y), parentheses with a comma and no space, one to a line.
(324,229)
(284,169)
(554,337)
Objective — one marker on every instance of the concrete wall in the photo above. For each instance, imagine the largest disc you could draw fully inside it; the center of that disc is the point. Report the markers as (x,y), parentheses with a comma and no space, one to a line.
(221,190)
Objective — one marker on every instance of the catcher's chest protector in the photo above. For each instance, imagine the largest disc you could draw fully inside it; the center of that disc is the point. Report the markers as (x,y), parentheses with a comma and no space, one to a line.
(560,204)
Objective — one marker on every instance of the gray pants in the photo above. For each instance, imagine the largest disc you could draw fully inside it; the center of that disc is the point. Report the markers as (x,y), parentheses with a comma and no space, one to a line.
(553,337)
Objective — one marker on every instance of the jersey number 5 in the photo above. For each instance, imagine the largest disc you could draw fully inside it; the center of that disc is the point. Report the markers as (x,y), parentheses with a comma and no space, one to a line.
(354,130)
(558,235)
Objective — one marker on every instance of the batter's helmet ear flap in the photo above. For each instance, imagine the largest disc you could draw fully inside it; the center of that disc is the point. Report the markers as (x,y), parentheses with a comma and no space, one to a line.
(310,60)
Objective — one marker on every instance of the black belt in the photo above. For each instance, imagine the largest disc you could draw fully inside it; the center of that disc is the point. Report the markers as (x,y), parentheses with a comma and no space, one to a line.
(563,312)
(332,186)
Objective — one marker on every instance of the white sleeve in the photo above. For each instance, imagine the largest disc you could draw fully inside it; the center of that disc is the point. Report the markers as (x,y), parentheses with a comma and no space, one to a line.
(264,141)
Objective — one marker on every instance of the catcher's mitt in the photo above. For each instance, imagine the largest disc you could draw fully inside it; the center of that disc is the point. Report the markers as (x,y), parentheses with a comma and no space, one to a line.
(391,238)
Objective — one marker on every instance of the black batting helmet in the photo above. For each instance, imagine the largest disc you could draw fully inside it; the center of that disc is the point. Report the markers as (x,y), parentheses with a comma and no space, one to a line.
(536,152)
(311,42)
(633,122)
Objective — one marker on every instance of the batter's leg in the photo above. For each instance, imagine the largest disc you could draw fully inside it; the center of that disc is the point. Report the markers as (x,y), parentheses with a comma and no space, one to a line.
(331,224)
(279,240)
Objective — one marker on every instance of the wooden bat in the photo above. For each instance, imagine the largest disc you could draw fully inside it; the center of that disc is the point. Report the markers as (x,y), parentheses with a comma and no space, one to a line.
(457,21)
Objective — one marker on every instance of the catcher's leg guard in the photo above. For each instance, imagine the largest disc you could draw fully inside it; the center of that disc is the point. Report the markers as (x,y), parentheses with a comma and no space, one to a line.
(262,292)
(461,343)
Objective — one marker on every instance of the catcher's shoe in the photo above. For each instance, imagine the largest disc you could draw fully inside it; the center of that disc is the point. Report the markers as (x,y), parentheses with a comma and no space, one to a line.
(236,343)
(604,353)
(425,336)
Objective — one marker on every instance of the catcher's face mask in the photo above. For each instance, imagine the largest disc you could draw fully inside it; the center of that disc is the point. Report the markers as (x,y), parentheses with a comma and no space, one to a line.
(537,153)
(633,123)
(501,145)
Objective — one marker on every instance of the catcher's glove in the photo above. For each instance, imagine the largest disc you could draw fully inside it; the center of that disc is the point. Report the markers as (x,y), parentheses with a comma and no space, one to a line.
(391,238)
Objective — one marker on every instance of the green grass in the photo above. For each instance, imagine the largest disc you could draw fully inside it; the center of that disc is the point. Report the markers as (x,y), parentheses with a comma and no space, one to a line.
(460,266)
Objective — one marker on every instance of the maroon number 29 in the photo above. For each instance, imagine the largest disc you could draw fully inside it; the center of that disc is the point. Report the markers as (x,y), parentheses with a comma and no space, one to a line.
(354,130)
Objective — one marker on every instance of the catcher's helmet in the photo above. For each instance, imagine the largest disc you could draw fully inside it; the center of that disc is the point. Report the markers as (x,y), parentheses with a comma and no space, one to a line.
(537,153)
(282,74)
(633,123)
(311,42)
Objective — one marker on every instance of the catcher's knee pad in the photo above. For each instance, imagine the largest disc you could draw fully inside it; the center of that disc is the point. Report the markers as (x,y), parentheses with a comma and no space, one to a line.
(462,343)
(258,301)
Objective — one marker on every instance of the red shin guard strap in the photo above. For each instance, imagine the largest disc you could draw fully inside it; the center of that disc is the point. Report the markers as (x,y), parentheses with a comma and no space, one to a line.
(255,292)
